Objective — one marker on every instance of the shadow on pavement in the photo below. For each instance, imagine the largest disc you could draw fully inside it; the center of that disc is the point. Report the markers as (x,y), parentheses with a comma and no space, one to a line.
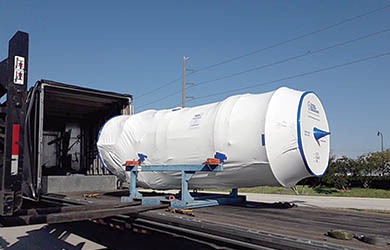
(3,243)
(87,235)
(47,237)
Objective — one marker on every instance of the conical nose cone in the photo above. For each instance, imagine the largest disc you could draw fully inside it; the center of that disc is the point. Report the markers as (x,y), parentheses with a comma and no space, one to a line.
(318,133)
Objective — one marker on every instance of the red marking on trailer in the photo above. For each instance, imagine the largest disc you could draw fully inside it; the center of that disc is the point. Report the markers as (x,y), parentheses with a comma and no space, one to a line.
(15,139)
(15,149)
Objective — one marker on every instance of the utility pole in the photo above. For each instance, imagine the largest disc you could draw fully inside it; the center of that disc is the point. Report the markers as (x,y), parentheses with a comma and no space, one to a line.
(381,135)
(183,94)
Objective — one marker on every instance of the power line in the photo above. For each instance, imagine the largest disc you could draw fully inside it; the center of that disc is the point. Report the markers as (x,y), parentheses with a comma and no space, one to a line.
(162,98)
(271,46)
(295,76)
(163,86)
(271,64)
(292,58)
(295,38)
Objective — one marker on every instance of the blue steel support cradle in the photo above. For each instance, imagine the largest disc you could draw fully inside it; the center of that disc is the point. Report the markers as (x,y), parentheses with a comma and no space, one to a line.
(187,172)
(134,194)
(185,179)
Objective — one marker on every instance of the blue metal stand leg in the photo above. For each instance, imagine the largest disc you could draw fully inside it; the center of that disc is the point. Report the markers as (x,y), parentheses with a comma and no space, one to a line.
(133,188)
(185,178)
(133,185)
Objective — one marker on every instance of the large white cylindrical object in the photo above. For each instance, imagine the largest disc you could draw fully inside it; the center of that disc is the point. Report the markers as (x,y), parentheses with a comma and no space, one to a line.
(274,139)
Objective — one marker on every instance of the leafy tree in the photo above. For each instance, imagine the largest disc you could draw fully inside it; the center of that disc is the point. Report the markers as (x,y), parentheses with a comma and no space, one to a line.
(372,165)
(382,160)
(364,170)
(340,172)
(367,170)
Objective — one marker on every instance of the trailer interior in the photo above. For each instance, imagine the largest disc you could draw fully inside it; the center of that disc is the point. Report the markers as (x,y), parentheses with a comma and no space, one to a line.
(62,127)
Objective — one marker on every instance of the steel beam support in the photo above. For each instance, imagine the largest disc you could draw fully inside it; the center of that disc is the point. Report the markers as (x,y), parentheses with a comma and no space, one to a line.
(185,178)
(186,201)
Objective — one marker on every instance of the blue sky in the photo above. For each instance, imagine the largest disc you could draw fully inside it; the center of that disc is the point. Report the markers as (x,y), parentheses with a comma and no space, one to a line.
(136,47)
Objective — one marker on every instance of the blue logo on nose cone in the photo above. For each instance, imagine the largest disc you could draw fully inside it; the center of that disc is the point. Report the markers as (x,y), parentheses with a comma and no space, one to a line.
(312,107)
(318,133)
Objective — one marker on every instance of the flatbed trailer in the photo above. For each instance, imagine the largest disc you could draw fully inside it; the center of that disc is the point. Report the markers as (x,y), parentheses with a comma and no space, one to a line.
(49,168)
(248,225)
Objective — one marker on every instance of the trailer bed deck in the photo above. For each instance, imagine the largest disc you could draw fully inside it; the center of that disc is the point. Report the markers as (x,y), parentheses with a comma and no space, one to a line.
(247,225)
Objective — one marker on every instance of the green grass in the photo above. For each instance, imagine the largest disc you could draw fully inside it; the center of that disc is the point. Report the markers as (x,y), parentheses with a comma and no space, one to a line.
(320,191)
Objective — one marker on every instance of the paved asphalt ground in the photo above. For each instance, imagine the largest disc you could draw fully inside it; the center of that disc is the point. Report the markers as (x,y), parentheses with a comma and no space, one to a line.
(86,235)
(323,202)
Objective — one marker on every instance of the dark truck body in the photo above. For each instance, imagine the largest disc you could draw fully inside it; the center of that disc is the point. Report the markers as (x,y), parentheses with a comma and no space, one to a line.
(49,170)
(49,133)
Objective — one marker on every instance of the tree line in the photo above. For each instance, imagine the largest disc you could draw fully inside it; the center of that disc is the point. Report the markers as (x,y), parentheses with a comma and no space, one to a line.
(371,170)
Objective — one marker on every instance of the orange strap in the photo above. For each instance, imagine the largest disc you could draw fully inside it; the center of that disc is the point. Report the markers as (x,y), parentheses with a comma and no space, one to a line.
(212,161)
(132,163)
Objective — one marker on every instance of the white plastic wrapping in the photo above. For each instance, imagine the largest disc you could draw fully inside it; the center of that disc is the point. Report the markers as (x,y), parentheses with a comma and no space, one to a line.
(269,139)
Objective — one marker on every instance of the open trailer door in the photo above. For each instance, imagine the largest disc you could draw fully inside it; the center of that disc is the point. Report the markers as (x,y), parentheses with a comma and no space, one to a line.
(63,124)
